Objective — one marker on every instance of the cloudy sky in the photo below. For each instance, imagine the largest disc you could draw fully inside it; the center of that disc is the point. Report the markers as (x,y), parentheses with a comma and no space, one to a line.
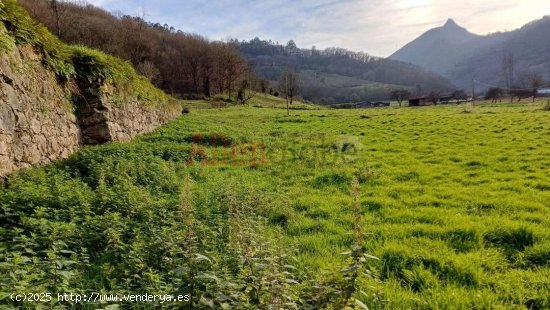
(378,27)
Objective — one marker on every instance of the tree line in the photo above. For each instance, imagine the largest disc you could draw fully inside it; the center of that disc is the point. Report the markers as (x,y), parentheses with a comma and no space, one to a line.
(183,64)
(521,85)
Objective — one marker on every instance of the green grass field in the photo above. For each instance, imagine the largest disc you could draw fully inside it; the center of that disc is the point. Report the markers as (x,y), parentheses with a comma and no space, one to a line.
(455,202)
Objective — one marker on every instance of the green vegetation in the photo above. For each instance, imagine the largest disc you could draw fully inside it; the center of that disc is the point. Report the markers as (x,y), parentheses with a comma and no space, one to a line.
(358,89)
(25,31)
(453,205)
(6,42)
(95,68)
(260,100)
(336,75)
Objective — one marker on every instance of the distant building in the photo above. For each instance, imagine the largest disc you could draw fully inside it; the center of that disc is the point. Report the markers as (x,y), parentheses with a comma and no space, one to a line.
(419,101)
(543,92)
(381,104)
(369,104)
(364,104)
(446,98)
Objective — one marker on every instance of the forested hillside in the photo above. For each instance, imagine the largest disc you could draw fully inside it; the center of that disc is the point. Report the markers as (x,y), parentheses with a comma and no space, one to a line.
(177,62)
(337,75)
(190,65)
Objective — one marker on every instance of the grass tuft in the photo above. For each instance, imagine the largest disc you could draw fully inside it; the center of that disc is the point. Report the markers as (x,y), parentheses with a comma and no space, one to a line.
(510,239)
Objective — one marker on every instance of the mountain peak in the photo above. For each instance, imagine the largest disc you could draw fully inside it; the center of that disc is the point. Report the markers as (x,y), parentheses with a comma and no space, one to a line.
(450,23)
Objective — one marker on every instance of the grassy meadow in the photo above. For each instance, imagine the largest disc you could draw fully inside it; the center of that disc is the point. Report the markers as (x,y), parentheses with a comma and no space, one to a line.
(453,202)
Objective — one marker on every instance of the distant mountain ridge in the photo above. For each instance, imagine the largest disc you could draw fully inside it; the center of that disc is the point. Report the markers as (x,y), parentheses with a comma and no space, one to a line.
(434,49)
(336,75)
(461,56)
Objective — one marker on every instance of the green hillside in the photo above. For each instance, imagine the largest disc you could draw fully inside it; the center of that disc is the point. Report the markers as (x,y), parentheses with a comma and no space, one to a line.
(451,201)
(333,85)
(328,74)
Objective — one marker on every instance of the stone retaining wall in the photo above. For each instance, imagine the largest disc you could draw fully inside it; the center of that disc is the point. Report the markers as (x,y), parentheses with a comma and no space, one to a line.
(38,123)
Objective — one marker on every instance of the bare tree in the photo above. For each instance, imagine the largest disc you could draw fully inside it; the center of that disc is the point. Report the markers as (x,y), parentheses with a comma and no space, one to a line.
(149,70)
(194,56)
(264,84)
(433,97)
(58,13)
(531,80)
(247,89)
(400,95)
(230,68)
(508,69)
(289,85)
(177,62)
(207,70)
(460,95)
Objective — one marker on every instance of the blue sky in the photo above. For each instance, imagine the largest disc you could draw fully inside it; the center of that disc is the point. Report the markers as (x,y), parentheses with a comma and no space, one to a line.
(378,27)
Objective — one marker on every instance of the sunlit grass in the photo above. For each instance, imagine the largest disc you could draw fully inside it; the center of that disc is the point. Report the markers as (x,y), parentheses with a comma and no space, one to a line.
(455,204)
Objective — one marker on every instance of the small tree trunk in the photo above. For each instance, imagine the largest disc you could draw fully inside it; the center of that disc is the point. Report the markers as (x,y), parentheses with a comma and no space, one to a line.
(286,91)
(55,8)
(206,86)
(287,107)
